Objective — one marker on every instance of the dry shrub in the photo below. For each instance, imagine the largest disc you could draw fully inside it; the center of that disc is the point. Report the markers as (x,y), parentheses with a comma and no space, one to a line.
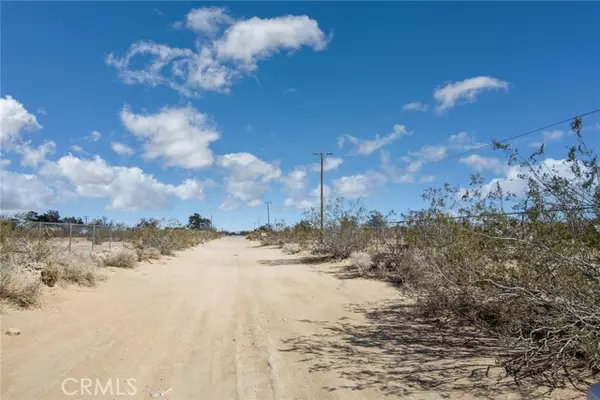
(532,278)
(122,258)
(19,286)
(73,268)
(291,248)
(51,274)
(361,260)
(169,240)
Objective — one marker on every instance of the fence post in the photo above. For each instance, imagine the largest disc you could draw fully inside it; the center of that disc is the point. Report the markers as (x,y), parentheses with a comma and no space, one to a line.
(93,236)
(70,235)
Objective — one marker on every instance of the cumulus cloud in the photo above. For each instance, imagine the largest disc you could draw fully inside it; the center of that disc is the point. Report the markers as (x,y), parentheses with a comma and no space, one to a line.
(482,163)
(220,58)
(126,188)
(94,136)
(295,180)
(248,177)
(329,164)
(415,106)
(360,185)
(179,136)
(365,147)
(512,181)
(14,120)
(228,204)
(23,192)
(32,157)
(121,149)
(77,149)
(465,91)
(206,20)
(250,40)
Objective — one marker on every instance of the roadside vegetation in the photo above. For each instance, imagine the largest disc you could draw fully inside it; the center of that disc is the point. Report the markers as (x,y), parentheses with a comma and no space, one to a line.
(31,258)
(523,267)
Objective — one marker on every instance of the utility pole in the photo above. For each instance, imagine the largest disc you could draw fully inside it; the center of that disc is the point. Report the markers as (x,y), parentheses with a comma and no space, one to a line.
(322,155)
(268,214)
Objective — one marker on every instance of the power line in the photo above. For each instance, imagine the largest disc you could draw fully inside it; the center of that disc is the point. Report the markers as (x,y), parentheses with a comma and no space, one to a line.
(462,153)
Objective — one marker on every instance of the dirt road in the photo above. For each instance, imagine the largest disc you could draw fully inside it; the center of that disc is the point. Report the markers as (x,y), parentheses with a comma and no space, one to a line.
(230,320)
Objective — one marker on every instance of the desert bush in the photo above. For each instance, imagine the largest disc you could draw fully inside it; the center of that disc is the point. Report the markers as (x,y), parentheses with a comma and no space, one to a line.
(169,240)
(361,260)
(291,248)
(73,268)
(530,276)
(19,286)
(122,258)
(50,275)
(343,231)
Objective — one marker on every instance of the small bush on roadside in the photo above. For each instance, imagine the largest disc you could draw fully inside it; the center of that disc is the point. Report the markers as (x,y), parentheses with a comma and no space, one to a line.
(50,275)
(19,286)
(291,248)
(122,258)
(361,260)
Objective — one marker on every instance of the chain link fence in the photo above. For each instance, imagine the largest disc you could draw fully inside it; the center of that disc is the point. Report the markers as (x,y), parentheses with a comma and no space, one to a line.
(77,238)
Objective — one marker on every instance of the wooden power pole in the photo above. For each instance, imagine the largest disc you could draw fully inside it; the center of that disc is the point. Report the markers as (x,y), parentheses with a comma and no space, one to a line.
(322,155)
(268,213)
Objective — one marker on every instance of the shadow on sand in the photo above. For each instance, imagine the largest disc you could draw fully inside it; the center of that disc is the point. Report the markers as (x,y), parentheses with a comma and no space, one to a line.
(398,352)
(297,260)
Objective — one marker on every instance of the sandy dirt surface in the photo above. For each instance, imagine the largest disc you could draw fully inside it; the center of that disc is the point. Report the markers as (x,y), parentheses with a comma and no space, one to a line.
(231,320)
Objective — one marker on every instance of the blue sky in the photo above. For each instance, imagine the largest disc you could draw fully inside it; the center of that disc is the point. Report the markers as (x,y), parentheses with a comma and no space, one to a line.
(217,107)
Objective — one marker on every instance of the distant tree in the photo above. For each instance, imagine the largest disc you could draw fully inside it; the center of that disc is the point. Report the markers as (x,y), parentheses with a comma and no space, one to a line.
(148,223)
(100,221)
(196,222)
(72,220)
(50,216)
(32,216)
(375,220)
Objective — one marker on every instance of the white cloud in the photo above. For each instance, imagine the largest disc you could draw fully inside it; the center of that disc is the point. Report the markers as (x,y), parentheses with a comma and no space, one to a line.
(179,136)
(415,106)
(512,182)
(126,188)
(218,61)
(121,149)
(14,119)
(4,162)
(248,177)
(42,111)
(228,204)
(463,141)
(304,200)
(300,203)
(355,186)
(431,153)
(257,38)
(295,180)
(23,192)
(482,163)
(207,20)
(426,179)
(366,147)
(94,136)
(77,149)
(341,140)
(32,157)
(329,164)
(289,91)
(551,136)
(465,91)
